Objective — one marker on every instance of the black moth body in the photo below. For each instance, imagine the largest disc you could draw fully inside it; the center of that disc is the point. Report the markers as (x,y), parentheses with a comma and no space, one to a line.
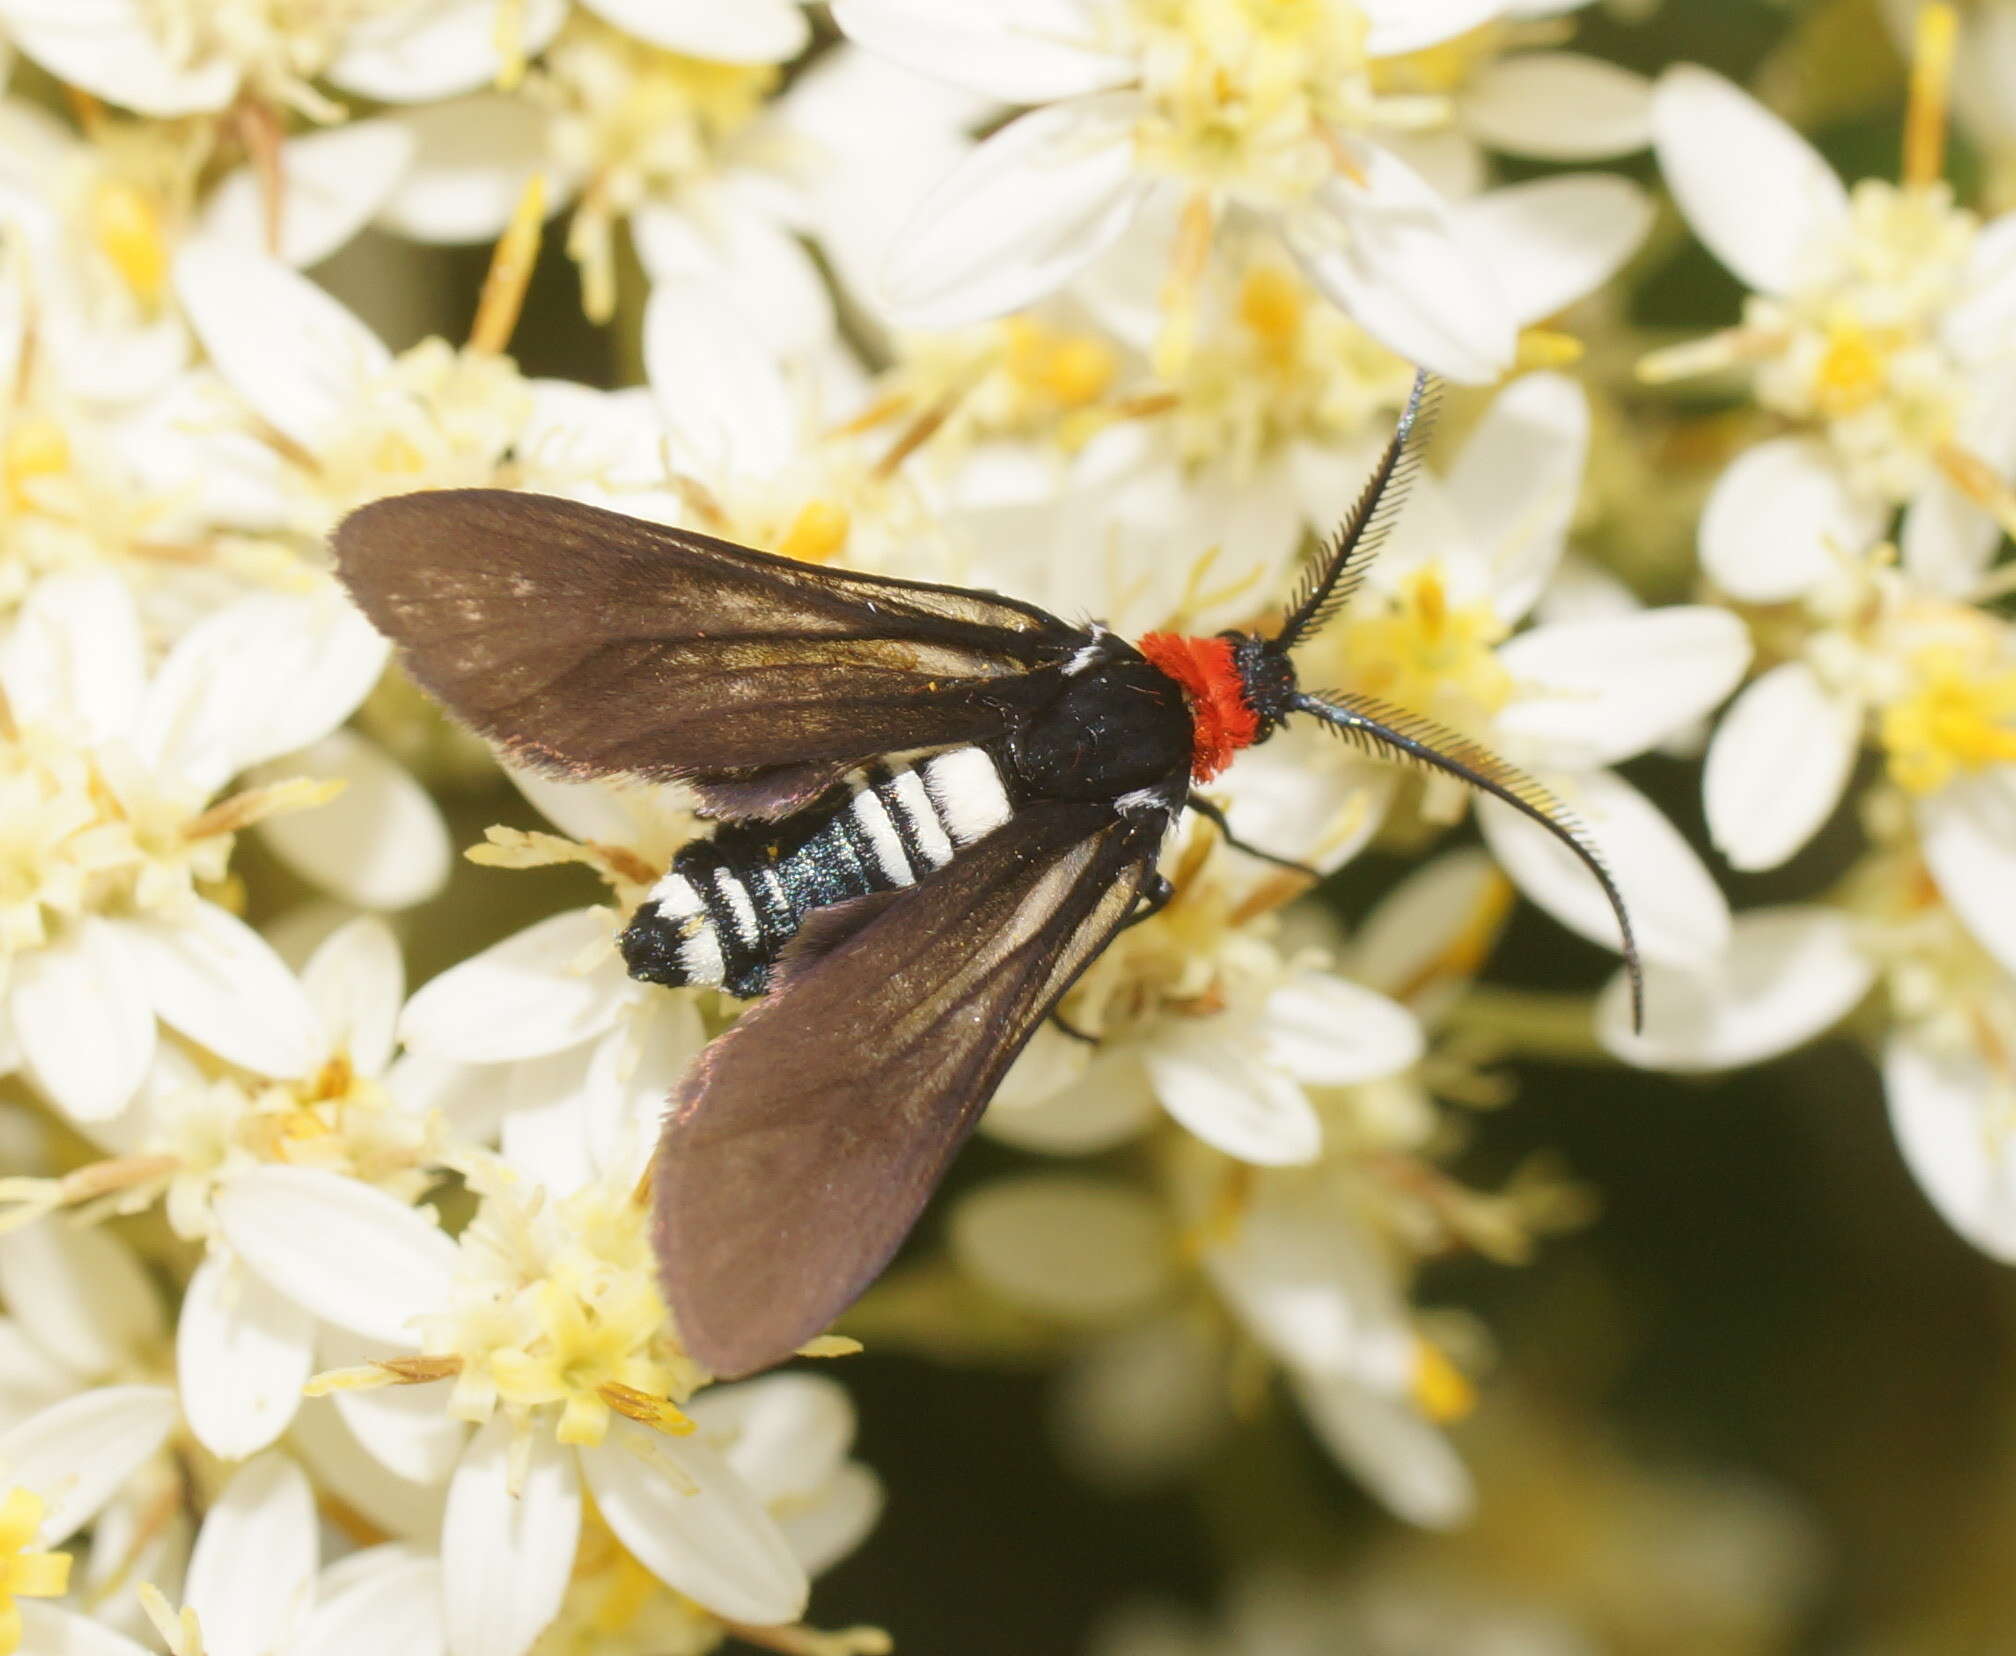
(935,807)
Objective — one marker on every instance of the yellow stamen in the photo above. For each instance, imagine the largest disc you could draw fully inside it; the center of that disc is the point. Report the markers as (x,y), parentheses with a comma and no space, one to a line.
(182,1634)
(1179,292)
(1931,83)
(25,1573)
(1546,348)
(1441,1390)
(1979,482)
(1272,304)
(1728,349)
(510,272)
(818,534)
(509,36)
(241,810)
(126,225)
(1070,370)
(830,1345)
(1854,369)
(36,447)
(1957,719)
(391,1371)
(915,435)
(796,1640)
(38,1197)
(659,1413)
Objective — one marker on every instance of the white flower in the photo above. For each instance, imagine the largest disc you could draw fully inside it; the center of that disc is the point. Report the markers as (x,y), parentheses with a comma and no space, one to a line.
(111,838)
(1877,659)
(188,57)
(1224,106)
(1882,320)
(542,1325)
(662,121)
(1564,699)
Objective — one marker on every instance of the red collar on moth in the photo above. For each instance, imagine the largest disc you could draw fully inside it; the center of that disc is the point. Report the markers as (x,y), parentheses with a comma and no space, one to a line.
(1212,684)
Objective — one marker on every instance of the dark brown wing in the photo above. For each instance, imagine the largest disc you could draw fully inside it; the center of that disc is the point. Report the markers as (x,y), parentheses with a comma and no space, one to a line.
(803,1144)
(592,642)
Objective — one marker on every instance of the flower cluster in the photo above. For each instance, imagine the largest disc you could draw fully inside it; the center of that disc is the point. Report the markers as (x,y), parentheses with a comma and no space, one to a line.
(330,1303)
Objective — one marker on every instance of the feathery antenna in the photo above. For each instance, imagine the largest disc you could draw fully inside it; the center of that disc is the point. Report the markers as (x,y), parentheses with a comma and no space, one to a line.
(1340,563)
(1397,734)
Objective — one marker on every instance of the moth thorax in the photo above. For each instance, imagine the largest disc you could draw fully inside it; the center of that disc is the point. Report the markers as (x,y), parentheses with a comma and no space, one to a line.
(1223,717)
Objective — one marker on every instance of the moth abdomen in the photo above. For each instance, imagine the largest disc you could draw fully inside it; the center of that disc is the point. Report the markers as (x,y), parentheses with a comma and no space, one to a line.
(729,904)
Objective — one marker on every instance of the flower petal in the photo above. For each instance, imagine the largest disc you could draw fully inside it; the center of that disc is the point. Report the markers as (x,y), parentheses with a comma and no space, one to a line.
(394,1608)
(1596,692)
(344,1250)
(1779,518)
(1558,106)
(1224,1094)
(1024,213)
(219,982)
(407,1429)
(78,1453)
(506,1554)
(1516,480)
(1389,1448)
(1944,1111)
(472,159)
(1034,53)
(1311,1285)
(1790,975)
(112,49)
(750,31)
(1409,25)
(242,1354)
(830,1524)
(297,355)
(1679,914)
(694,334)
(261,677)
(50,1630)
(381,843)
(84,1019)
(346,1470)
(1777,766)
(252,1572)
(1065,1246)
(523,997)
(1553,241)
(356,981)
(785,1434)
(333,182)
(1384,246)
(690,1520)
(1421,921)
(1968,830)
(760,266)
(1755,191)
(428,53)
(74,658)
(1333,1033)
(80,1296)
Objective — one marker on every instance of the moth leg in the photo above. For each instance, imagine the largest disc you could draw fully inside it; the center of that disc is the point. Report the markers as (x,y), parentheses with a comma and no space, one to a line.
(1155,897)
(1213,815)
(1072,1029)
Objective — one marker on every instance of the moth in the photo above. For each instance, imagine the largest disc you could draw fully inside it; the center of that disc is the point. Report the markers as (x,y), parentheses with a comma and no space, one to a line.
(934,807)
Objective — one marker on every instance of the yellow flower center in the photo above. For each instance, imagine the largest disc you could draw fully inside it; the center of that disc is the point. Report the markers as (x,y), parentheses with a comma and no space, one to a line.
(1441,1391)
(25,1573)
(37,448)
(560,1318)
(818,534)
(1054,369)
(127,225)
(1240,90)
(1958,717)
(1420,651)
(636,122)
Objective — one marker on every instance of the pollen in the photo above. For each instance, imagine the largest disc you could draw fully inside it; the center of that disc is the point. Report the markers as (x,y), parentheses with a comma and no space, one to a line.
(1956,720)
(818,534)
(37,447)
(126,224)
(24,1572)
(1272,305)
(559,1320)
(1065,370)
(1441,1390)
(1418,649)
